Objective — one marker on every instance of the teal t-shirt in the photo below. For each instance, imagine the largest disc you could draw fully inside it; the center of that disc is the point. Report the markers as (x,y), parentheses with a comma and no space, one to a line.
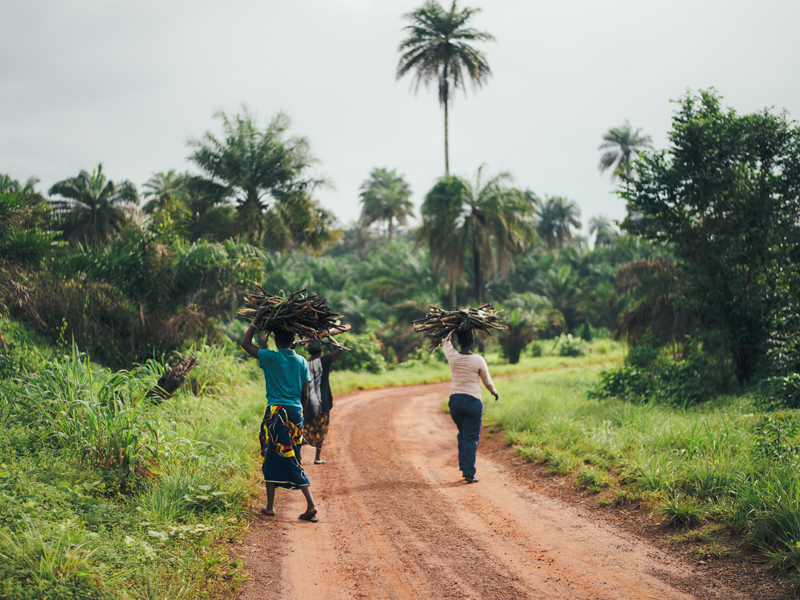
(285,372)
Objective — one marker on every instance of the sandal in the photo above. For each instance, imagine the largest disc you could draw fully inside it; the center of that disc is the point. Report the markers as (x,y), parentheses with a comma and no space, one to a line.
(305,517)
(319,462)
(471,479)
(266,513)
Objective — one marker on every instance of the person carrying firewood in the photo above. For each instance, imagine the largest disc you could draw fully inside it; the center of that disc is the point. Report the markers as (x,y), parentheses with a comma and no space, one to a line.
(320,400)
(287,376)
(467,370)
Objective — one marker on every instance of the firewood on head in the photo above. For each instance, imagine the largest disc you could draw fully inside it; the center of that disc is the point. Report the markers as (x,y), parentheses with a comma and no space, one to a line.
(308,317)
(438,324)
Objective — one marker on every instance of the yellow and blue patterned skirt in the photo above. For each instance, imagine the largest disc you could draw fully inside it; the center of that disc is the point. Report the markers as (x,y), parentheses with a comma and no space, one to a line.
(281,435)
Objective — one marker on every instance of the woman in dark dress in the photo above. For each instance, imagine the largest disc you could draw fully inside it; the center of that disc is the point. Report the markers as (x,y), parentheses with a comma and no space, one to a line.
(320,399)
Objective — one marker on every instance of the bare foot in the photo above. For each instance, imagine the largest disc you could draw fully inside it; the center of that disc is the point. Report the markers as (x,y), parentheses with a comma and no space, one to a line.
(267,513)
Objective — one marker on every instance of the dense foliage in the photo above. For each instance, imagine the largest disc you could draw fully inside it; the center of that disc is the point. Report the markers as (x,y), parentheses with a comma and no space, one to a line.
(723,201)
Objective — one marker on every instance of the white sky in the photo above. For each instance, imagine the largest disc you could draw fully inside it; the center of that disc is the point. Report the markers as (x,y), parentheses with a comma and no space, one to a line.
(128,83)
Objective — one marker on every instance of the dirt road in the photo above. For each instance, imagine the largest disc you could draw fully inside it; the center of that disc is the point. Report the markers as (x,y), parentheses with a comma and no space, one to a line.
(397,522)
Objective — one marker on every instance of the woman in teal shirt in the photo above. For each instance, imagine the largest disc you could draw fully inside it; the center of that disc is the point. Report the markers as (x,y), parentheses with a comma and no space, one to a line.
(286,377)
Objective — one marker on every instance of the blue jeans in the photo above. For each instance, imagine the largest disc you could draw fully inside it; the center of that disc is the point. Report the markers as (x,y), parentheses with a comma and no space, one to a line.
(467,414)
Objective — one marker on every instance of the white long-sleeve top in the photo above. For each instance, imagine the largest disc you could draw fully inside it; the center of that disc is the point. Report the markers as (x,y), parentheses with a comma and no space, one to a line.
(467,371)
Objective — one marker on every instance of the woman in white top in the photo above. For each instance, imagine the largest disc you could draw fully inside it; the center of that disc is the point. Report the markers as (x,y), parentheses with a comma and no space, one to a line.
(466,408)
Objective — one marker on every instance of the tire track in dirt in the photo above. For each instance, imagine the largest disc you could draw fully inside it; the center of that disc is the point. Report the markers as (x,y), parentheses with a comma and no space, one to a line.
(396,522)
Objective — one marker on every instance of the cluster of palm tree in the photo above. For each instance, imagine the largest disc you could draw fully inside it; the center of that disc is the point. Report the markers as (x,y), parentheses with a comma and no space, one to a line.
(191,240)
(256,183)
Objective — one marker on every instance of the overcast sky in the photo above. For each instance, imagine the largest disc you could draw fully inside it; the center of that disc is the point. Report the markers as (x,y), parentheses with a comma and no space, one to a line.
(128,83)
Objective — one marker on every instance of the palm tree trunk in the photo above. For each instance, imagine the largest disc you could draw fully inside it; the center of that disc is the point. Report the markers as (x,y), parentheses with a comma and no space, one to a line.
(476,266)
(391,229)
(444,94)
(453,297)
(446,146)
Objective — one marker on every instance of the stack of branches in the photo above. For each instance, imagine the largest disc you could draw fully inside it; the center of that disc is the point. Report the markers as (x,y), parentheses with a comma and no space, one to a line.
(307,317)
(438,324)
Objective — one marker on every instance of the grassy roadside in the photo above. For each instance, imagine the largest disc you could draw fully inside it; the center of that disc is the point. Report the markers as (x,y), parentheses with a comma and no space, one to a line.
(721,463)
(104,494)
(434,370)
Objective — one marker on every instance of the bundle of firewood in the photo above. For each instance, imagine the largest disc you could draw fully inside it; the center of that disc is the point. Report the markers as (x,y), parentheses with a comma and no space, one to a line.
(437,324)
(308,317)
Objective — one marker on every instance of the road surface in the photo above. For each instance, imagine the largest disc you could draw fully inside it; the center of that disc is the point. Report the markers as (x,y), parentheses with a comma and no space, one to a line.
(398,522)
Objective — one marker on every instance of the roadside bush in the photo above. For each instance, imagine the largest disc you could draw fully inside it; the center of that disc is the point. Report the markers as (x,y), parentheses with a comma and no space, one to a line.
(586,332)
(364,355)
(93,415)
(780,392)
(522,330)
(569,345)
(536,349)
(18,356)
(649,374)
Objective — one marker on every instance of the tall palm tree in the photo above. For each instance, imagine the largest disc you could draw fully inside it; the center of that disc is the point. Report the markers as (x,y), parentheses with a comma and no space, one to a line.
(603,230)
(557,218)
(92,207)
(486,220)
(162,188)
(624,144)
(385,196)
(437,49)
(262,169)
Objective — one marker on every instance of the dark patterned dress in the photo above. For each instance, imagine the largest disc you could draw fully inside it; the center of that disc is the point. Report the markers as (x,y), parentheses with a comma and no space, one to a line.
(317,415)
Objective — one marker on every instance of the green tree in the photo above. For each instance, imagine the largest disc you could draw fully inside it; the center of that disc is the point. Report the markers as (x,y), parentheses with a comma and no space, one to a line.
(623,144)
(560,286)
(267,173)
(487,221)
(23,239)
(26,190)
(603,230)
(163,188)
(725,198)
(523,328)
(385,196)
(438,49)
(557,218)
(92,207)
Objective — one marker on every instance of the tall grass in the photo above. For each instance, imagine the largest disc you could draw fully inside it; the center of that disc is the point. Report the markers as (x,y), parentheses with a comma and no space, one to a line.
(97,481)
(95,415)
(720,461)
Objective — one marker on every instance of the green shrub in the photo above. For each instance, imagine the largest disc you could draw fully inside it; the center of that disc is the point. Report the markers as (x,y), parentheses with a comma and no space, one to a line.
(522,330)
(649,374)
(93,415)
(53,566)
(568,345)
(592,479)
(776,437)
(586,332)
(679,509)
(780,392)
(536,349)
(364,355)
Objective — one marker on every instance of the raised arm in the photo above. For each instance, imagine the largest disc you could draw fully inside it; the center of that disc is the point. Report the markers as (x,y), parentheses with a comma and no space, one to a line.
(247,341)
(335,354)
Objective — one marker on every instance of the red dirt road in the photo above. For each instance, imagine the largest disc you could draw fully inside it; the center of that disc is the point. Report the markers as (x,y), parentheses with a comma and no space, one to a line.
(397,522)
